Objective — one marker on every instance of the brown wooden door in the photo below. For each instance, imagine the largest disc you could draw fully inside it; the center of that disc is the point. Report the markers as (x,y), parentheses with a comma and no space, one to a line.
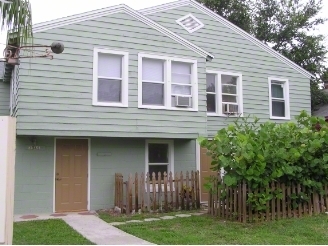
(71,176)
(205,171)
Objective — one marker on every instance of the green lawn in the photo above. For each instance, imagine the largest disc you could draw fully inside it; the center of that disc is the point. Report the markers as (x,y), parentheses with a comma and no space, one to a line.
(53,231)
(206,230)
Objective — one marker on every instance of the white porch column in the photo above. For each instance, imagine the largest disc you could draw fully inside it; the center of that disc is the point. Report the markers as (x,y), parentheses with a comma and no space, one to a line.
(7,177)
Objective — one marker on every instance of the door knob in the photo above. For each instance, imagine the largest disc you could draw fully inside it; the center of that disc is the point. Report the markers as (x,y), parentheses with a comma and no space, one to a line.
(58,179)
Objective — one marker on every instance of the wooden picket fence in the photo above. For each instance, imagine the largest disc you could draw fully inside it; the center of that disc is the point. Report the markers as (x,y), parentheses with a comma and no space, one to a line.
(178,192)
(234,205)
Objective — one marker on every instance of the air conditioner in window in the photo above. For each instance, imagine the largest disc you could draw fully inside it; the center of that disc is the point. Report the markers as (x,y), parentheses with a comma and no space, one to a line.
(182,101)
(230,109)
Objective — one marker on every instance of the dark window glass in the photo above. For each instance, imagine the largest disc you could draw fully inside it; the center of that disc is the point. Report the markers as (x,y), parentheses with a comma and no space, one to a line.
(158,153)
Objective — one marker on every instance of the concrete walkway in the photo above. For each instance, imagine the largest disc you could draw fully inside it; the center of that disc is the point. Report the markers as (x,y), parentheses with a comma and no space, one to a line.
(100,232)
(91,227)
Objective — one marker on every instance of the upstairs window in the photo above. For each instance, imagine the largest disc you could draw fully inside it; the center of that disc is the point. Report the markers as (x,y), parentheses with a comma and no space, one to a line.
(224,94)
(110,78)
(279,98)
(167,83)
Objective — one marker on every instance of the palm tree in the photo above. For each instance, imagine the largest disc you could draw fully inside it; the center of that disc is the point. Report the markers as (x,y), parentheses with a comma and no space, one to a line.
(16,16)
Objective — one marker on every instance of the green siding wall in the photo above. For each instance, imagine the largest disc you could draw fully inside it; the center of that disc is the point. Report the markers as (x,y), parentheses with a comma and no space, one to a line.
(34,176)
(127,156)
(4,98)
(55,96)
(236,54)
(35,169)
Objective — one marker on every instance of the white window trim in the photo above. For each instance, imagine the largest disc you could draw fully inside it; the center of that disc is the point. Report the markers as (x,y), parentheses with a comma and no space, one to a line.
(171,161)
(125,78)
(286,97)
(167,82)
(192,16)
(218,93)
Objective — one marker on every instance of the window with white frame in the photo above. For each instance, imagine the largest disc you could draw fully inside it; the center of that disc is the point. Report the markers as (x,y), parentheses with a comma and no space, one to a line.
(279,98)
(110,78)
(224,93)
(159,157)
(166,82)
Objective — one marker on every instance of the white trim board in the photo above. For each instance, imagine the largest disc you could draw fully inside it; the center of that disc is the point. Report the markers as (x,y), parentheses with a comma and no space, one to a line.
(89,172)
(44,26)
(202,8)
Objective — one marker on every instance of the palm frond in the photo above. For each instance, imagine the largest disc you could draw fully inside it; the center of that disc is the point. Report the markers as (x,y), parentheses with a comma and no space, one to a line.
(16,16)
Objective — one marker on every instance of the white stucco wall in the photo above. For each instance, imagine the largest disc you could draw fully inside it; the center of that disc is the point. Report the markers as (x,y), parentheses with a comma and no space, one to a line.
(7,177)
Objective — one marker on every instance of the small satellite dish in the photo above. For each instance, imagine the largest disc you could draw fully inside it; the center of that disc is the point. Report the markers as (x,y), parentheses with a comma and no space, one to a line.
(57,47)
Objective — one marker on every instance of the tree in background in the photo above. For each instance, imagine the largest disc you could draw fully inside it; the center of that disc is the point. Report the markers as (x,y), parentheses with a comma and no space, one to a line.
(287,26)
(16,15)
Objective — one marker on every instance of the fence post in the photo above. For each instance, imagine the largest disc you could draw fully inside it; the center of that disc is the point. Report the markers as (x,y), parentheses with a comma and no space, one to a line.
(148,191)
(299,205)
(176,185)
(278,203)
(160,192)
(171,189)
(197,190)
(244,201)
(154,191)
(273,205)
(187,191)
(182,192)
(136,191)
(165,192)
(193,190)
(142,191)
(130,192)
(283,188)
(127,208)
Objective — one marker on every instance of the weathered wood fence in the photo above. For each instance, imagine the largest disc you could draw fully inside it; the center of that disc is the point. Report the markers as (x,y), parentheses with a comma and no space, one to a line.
(233,205)
(149,193)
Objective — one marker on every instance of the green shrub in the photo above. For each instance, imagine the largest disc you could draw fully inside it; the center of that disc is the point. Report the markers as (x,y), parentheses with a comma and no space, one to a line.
(290,152)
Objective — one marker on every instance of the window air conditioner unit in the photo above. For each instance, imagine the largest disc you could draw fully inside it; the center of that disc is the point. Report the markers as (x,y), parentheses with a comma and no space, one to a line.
(230,108)
(182,101)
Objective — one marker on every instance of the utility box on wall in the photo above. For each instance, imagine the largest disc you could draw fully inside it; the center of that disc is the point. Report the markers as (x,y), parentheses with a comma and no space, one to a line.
(7,177)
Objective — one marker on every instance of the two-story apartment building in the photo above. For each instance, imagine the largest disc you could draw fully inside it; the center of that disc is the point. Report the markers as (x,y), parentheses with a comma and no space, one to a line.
(132,92)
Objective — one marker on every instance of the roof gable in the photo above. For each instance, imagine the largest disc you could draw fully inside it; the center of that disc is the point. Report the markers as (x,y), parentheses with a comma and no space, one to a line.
(202,8)
(118,9)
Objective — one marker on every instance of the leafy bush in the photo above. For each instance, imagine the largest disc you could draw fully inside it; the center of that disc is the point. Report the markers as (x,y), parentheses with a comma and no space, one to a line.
(291,152)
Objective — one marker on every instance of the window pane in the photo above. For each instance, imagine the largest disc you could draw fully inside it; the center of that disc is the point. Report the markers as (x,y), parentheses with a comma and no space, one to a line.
(181,68)
(156,169)
(180,89)
(228,79)
(152,94)
(226,98)
(277,90)
(181,78)
(109,65)
(109,90)
(229,89)
(278,108)
(210,82)
(211,105)
(152,69)
(158,153)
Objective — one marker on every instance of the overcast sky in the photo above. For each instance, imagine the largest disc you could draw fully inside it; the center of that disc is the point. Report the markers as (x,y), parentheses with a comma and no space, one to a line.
(45,10)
